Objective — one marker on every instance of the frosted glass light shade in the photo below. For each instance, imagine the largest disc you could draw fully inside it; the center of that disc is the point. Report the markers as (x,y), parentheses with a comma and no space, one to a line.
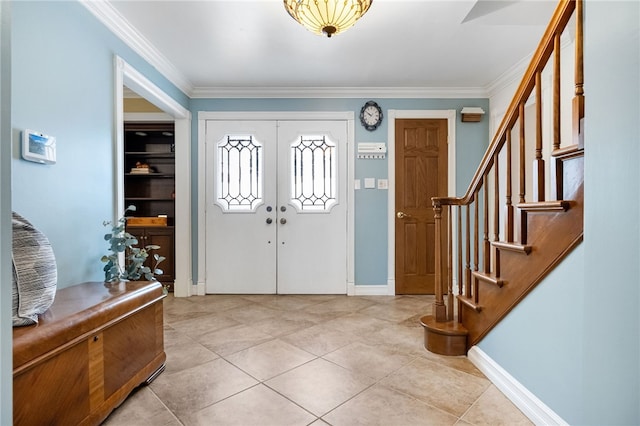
(327,17)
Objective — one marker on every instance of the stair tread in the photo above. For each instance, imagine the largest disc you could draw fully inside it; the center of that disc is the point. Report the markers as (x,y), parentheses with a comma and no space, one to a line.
(568,152)
(469,302)
(545,206)
(515,247)
(453,327)
(490,278)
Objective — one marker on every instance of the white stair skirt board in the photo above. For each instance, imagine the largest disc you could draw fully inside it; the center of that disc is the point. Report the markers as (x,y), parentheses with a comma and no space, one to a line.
(536,410)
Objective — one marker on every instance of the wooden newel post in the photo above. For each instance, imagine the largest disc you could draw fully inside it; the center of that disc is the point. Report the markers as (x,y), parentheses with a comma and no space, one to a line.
(439,308)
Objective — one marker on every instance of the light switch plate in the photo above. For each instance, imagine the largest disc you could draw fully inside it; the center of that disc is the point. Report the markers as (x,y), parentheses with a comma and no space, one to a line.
(383,184)
(370,183)
(356,184)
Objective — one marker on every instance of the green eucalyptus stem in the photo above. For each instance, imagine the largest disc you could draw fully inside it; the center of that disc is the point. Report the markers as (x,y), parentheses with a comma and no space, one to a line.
(134,268)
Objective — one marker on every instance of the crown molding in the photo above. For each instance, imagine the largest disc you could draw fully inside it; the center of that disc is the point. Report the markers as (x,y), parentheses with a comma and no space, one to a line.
(118,25)
(338,92)
(507,78)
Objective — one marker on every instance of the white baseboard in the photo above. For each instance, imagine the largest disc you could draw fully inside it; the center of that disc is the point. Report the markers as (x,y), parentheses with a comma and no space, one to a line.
(352,290)
(391,286)
(536,410)
(369,290)
(182,289)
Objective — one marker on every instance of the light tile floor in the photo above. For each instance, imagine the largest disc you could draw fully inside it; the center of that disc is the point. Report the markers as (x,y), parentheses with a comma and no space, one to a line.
(309,360)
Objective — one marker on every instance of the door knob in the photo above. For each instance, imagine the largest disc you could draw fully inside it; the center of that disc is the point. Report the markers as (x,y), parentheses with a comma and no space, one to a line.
(402,215)
(283,221)
(269,221)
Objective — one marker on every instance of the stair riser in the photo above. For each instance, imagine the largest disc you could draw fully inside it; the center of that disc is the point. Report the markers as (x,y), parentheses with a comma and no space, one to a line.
(442,344)
(573,177)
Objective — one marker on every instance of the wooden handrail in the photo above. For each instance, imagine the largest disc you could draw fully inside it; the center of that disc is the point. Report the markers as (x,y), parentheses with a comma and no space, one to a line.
(560,18)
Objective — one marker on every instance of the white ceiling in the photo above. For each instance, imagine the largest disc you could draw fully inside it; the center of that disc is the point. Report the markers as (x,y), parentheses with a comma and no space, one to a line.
(214,47)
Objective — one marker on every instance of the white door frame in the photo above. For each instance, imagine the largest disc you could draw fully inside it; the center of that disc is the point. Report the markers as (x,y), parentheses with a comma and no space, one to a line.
(450,115)
(125,74)
(203,116)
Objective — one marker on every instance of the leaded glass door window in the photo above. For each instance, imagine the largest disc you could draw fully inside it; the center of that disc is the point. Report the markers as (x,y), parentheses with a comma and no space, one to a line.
(240,173)
(313,173)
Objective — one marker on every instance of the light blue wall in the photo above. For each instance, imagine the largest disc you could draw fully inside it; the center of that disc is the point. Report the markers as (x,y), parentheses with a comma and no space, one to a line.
(370,205)
(63,77)
(575,341)
(540,343)
(611,323)
(6,361)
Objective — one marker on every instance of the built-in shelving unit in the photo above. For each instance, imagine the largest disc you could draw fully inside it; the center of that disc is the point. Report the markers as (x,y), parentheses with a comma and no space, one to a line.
(149,184)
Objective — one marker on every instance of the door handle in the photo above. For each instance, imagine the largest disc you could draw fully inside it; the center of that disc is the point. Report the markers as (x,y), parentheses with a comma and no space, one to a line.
(269,221)
(283,221)
(402,215)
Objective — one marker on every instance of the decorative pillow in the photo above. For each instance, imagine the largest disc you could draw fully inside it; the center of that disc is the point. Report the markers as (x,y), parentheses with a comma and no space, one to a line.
(35,275)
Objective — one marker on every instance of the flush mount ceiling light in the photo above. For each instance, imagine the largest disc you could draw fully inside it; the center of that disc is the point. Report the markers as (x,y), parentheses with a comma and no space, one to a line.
(327,16)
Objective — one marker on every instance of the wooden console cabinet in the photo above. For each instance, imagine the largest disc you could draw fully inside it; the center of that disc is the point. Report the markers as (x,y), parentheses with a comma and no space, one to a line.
(96,343)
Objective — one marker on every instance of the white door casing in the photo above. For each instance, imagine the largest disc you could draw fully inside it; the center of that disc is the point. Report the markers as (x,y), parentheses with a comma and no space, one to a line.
(281,226)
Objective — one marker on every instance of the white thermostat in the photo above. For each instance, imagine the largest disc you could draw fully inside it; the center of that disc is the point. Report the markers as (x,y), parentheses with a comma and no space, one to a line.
(38,147)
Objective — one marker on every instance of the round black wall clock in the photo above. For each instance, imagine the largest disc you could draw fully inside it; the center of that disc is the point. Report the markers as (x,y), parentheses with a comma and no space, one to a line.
(371,116)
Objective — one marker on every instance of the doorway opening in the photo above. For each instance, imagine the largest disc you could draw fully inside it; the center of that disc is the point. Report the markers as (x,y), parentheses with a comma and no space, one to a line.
(296,213)
(126,75)
(276,207)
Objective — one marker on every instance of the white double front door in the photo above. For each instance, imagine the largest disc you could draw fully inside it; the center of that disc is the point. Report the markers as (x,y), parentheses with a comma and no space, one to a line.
(276,213)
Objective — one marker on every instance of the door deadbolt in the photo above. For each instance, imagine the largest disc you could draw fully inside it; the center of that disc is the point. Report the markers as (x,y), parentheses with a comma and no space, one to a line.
(269,208)
(283,209)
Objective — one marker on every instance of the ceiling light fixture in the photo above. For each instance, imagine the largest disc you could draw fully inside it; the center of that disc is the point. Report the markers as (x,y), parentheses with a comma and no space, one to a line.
(327,16)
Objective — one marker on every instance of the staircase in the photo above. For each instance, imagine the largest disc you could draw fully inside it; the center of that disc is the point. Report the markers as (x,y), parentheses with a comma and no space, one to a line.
(506,234)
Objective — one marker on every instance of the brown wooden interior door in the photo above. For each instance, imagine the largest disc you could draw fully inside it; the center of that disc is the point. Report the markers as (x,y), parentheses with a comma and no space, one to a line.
(421,173)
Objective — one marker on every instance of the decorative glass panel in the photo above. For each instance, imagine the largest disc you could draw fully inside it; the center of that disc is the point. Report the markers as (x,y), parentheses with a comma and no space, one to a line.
(313,173)
(239,173)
